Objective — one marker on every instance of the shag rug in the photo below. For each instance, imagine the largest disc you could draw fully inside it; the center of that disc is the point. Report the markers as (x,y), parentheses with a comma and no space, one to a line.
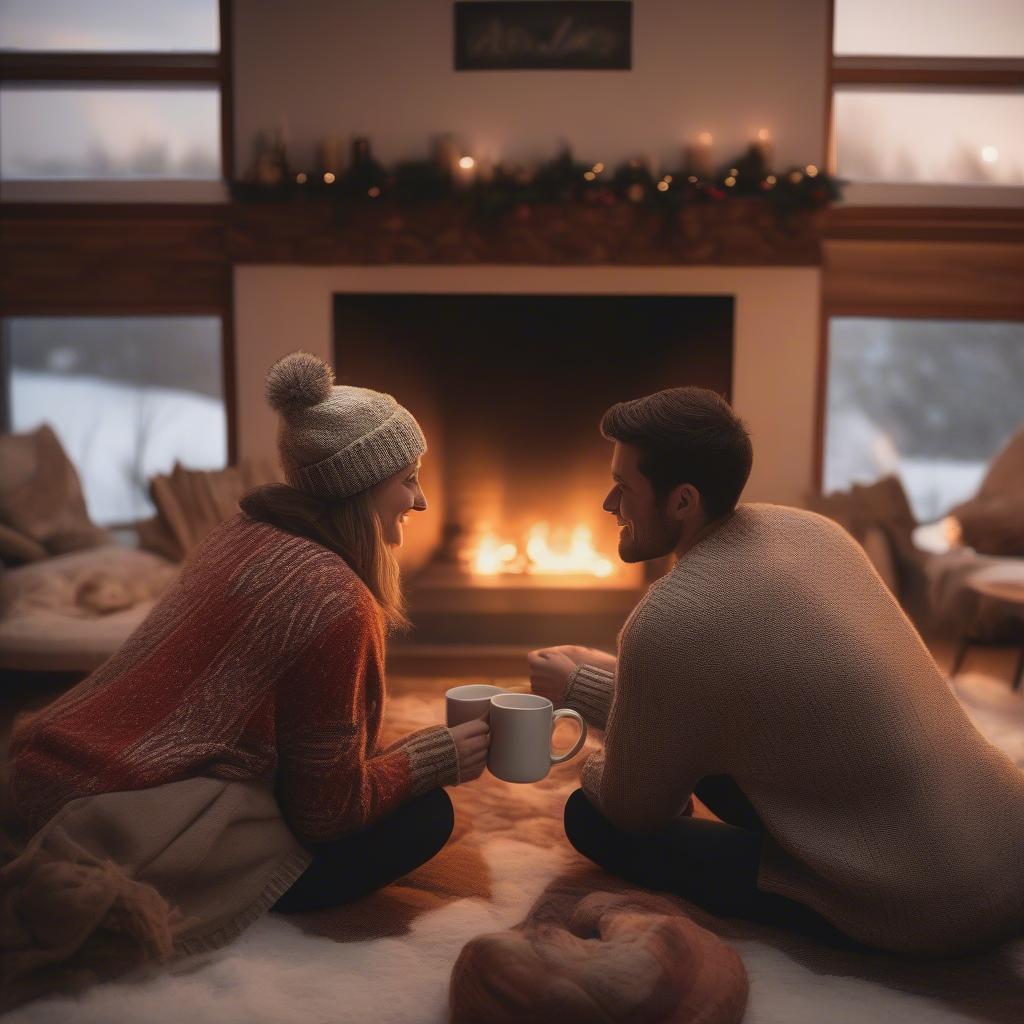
(387,959)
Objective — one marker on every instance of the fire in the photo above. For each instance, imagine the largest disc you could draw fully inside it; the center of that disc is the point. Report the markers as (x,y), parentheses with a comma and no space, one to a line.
(538,555)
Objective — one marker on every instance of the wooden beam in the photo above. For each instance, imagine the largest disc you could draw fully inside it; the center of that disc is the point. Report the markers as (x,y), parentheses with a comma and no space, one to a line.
(940,279)
(110,67)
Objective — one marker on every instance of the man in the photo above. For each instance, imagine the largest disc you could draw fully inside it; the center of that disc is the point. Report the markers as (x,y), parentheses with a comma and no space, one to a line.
(772,672)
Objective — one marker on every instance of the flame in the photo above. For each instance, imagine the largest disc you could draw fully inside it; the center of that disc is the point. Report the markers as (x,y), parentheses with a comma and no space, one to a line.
(494,555)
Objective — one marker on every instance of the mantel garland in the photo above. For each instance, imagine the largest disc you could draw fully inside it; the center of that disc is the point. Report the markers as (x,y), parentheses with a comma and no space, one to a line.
(561,180)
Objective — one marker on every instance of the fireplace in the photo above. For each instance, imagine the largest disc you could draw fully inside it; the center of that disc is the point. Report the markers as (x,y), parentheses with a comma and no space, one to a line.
(516,550)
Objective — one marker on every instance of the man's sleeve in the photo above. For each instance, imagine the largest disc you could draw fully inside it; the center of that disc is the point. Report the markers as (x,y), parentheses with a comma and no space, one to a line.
(590,691)
(656,743)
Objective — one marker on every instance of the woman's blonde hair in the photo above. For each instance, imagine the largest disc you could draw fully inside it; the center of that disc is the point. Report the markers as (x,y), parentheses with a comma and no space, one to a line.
(350,527)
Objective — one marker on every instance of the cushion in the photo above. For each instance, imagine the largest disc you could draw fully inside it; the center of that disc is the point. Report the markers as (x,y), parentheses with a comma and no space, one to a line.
(883,503)
(41,495)
(994,525)
(192,502)
(618,957)
(1005,475)
(16,548)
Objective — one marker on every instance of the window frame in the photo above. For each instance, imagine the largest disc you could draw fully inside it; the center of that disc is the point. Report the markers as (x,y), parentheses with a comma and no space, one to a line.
(871,70)
(923,311)
(139,68)
(227,352)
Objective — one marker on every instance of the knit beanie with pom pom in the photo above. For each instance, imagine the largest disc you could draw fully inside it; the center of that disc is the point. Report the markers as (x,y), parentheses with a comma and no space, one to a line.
(337,441)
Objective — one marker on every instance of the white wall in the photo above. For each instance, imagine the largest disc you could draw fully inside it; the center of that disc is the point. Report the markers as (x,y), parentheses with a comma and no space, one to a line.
(383,68)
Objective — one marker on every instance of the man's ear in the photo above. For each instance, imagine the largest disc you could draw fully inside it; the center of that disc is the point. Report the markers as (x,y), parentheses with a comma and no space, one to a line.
(684,502)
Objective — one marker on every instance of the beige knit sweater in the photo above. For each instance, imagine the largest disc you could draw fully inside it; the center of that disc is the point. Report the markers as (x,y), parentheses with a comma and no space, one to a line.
(773,653)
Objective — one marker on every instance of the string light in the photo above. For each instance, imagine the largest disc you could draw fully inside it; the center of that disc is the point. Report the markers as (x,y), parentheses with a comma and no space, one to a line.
(763,134)
(812,171)
(589,175)
(734,172)
(667,178)
(467,163)
(730,181)
(301,178)
(795,176)
(328,178)
(373,191)
(770,181)
(693,179)
(662,186)
(598,168)
(989,154)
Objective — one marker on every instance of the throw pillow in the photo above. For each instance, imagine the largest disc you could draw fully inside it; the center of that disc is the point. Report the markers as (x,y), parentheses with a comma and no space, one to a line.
(41,495)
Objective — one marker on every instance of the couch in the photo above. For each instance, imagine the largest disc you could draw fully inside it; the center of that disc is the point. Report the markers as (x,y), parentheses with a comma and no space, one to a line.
(70,592)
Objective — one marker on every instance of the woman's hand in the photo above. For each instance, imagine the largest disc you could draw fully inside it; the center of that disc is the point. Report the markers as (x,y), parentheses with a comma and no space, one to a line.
(471,742)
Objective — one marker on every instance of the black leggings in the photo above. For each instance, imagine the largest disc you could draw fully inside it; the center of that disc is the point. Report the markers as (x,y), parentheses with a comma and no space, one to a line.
(358,864)
(710,863)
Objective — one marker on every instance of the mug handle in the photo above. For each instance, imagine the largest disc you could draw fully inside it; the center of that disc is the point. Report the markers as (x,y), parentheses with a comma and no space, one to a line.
(569,713)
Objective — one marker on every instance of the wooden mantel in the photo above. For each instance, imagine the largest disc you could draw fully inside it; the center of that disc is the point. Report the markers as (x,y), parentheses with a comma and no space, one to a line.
(737,232)
(81,257)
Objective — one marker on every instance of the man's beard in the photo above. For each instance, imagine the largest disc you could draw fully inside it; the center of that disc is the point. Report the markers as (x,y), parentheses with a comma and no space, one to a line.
(654,540)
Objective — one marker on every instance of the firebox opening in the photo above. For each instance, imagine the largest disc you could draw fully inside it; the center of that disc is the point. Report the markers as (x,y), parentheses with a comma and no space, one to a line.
(510,390)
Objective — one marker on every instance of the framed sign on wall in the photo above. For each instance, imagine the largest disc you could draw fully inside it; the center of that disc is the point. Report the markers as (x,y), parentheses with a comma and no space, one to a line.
(566,35)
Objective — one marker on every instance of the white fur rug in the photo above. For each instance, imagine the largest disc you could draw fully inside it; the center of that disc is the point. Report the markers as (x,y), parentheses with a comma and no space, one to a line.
(387,959)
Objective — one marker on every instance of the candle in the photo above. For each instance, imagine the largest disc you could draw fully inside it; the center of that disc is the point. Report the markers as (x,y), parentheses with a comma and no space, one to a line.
(464,174)
(697,156)
(329,154)
(763,146)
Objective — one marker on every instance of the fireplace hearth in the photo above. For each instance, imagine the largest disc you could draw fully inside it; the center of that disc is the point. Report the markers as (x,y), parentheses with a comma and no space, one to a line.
(515,550)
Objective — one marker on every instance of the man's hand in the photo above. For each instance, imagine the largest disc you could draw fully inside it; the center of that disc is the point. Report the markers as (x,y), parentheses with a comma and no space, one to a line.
(471,742)
(582,655)
(549,673)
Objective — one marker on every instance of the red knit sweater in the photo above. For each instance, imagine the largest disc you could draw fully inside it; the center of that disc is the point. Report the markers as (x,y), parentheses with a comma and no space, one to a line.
(265,659)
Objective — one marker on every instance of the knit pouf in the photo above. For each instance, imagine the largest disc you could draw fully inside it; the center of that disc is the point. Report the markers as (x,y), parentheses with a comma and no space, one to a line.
(622,957)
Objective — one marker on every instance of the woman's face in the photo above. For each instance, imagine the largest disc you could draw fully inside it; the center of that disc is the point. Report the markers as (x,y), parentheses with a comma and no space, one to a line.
(394,498)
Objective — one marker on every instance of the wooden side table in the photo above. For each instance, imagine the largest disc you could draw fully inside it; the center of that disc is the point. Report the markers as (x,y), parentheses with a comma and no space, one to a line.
(1002,599)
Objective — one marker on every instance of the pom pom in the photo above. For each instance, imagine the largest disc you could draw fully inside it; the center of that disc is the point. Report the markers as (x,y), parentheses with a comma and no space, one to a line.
(298,381)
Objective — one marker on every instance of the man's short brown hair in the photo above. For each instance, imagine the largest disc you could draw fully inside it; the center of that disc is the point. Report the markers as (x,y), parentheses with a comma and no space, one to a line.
(686,435)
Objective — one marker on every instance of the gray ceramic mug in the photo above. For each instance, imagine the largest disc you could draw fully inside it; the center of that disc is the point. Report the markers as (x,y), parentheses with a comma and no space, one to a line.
(521,727)
(469,702)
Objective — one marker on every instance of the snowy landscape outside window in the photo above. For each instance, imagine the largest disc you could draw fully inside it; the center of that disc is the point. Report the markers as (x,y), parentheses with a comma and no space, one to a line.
(126,396)
(931,401)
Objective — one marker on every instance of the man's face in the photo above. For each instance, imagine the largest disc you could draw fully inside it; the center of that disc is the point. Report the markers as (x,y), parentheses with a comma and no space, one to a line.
(646,530)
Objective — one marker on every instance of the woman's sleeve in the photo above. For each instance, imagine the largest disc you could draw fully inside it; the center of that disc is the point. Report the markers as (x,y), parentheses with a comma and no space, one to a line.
(329,783)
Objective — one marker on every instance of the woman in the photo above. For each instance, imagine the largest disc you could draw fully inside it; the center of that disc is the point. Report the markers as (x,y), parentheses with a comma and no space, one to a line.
(226,758)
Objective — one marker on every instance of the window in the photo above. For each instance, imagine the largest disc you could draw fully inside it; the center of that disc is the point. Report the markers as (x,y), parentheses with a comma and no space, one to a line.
(124,99)
(929,400)
(928,100)
(127,396)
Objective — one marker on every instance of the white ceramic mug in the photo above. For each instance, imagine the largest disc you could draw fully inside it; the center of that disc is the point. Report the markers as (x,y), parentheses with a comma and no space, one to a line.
(521,727)
(466,703)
